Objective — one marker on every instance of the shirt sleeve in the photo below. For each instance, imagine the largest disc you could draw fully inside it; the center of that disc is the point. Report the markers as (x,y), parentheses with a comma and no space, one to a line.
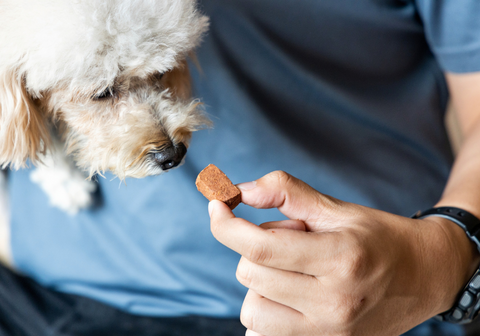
(452,29)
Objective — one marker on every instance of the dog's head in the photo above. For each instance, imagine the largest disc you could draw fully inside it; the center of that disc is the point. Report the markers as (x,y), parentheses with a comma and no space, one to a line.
(111,75)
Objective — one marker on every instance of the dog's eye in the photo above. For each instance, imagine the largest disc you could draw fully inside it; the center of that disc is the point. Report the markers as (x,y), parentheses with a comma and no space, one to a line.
(159,75)
(107,93)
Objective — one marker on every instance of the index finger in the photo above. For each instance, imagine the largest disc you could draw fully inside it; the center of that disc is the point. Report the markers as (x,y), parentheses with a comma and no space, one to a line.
(313,253)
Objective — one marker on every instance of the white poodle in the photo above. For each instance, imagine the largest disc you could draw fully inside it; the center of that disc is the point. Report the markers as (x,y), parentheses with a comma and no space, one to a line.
(104,82)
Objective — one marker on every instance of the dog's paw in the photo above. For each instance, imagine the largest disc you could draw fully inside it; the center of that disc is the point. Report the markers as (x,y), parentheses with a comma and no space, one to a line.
(66,186)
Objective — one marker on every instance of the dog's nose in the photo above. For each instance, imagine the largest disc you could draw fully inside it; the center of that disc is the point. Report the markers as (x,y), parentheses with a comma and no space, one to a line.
(171,156)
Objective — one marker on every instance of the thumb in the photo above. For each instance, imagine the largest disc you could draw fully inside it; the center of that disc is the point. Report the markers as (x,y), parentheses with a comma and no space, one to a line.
(293,197)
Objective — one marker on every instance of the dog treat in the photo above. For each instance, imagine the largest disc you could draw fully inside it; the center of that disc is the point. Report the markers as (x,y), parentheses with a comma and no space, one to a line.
(215,185)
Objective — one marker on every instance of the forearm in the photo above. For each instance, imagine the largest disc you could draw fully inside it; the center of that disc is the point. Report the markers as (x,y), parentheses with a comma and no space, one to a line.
(462,191)
(463,186)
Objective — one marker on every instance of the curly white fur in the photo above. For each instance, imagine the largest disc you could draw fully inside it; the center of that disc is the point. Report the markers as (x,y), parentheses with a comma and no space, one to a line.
(77,43)
(109,76)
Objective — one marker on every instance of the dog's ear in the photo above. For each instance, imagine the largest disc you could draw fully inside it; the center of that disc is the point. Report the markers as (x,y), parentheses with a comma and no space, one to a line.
(23,130)
(178,81)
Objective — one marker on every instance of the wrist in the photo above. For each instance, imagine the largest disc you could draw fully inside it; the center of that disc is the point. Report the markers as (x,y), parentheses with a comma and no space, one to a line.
(455,259)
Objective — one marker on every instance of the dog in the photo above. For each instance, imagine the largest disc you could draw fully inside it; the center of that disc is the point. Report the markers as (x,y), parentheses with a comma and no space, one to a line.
(88,86)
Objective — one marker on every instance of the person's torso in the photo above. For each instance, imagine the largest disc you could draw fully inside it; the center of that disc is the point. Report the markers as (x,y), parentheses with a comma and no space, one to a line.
(343,94)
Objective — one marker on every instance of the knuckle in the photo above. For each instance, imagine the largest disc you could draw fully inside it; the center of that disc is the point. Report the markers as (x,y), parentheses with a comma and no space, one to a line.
(244,275)
(344,316)
(248,317)
(346,312)
(259,253)
(280,177)
(357,266)
(354,264)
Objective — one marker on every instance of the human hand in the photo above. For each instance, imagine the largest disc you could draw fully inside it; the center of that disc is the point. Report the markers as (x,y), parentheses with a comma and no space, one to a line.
(337,268)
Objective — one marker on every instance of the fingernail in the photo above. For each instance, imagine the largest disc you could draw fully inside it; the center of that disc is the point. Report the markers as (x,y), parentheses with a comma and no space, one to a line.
(210,209)
(247,185)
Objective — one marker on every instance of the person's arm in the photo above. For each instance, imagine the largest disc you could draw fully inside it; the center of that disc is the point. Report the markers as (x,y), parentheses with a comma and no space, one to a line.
(463,187)
(338,268)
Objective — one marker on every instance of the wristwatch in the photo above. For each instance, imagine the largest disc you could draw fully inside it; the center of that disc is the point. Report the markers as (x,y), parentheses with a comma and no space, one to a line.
(467,306)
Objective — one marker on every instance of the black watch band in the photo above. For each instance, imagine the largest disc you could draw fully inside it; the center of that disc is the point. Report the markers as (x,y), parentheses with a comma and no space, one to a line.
(467,306)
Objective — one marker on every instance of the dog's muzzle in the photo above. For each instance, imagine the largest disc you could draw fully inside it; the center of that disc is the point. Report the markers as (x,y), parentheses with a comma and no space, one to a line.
(170,156)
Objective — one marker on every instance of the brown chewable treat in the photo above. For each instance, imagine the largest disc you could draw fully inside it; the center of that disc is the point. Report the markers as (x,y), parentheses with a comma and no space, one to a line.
(215,185)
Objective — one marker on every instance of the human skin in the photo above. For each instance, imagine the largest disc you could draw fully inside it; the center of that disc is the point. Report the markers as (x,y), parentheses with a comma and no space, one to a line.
(338,268)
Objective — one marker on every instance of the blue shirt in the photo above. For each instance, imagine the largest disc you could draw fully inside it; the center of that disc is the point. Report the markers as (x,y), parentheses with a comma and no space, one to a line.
(347,95)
